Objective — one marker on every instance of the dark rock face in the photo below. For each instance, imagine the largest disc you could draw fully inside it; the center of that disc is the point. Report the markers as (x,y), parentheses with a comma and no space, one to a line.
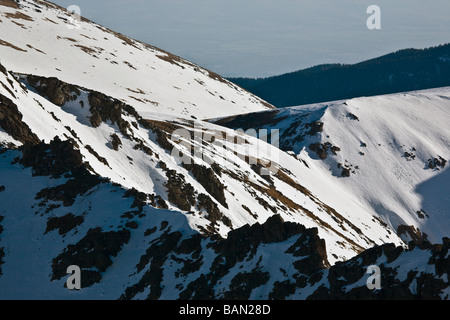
(437,163)
(56,91)
(56,159)
(92,254)
(52,159)
(3,70)
(11,122)
(335,282)
(66,193)
(115,142)
(207,178)
(104,108)
(243,283)
(95,154)
(321,149)
(184,196)
(429,285)
(314,128)
(345,172)
(213,259)
(163,131)
(242,246)
(273,230)
(309,244)
(414,234)
(155,255)
(205,202)
(64,224)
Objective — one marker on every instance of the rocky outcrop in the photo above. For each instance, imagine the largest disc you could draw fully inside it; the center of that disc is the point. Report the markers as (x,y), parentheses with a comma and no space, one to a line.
(55,90)
(155,256)
(12,123)
(273,260)
(411,233)
(179,192)
(415,283)
(64,224)
(56,159)
(241,247)
(321,149)
(437,163)
(53,159)
(104,108)
(92,254)
(115,141)
(208,179)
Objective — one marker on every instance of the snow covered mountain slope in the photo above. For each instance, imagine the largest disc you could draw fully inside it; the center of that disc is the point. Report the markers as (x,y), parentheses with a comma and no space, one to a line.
(151,201)
(127,249)
(391,152)
(40,38)
(219,188)
(220,185)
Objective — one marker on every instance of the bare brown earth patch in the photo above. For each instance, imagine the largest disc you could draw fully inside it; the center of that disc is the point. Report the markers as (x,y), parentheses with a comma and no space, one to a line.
(7,44)
(172,59)
(415,234)
(50,20)
(18,15)
(31,47)
(85,49)
(70,39)
(9,3)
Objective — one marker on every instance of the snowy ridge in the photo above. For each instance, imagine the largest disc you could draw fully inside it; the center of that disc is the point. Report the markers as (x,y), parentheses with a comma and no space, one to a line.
(390,152)
(43,39)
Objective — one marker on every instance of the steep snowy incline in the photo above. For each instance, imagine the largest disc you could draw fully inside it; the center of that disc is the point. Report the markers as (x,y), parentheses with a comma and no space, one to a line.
(390,152)
(128,250)
(219,182)
(40,38)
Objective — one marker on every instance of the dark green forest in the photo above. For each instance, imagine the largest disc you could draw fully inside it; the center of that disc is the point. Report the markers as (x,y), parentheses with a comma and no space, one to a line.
(404,70)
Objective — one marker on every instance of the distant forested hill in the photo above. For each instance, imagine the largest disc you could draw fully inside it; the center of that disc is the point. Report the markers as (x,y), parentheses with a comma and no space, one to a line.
(404,70)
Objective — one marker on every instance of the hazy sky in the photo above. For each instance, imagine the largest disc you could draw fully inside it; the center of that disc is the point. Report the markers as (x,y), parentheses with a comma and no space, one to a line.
(259,38)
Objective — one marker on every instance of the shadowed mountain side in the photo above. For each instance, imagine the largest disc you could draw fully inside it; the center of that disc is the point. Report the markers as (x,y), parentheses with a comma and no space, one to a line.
(435,194)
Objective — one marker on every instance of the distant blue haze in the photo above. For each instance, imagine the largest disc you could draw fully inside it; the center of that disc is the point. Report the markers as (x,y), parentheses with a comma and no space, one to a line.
(256,38)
